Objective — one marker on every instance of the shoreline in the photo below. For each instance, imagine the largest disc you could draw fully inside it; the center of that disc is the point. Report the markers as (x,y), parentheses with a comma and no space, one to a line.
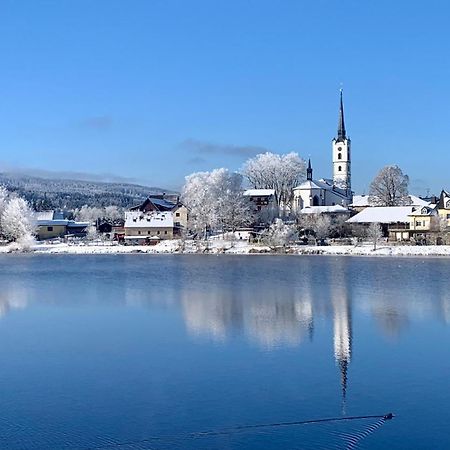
(220,247)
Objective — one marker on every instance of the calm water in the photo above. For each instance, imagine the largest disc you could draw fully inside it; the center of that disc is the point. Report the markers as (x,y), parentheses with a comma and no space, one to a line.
(139,351)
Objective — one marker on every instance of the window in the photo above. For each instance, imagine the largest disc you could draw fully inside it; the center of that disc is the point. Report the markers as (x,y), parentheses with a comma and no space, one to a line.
(340,168)
(165,232)
(177,224)
(139,232)
(49,228)
(339,149)
(177,214)
(447,204)
(448,216)
(418,223)
(148,232)
(339,155)
(159,232)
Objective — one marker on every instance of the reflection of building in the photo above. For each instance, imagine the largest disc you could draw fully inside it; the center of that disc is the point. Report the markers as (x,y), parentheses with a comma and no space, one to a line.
(342,331)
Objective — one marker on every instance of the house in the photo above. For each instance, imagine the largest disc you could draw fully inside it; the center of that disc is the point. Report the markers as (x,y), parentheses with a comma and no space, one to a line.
(443,206)
(399,223)
(423,223)
(147,227)
(360,202)
(163,203)
(261,198)
(55,224)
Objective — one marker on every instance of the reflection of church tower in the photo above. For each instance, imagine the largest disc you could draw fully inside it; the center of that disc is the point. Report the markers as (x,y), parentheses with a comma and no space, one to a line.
(342,321)
(341,155)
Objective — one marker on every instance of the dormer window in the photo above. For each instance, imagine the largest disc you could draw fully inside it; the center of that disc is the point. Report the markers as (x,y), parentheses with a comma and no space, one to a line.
(447,204)
(424,210)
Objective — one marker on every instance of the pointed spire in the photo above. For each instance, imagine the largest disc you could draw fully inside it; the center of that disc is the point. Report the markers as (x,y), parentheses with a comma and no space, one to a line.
(309,171)
(341,135)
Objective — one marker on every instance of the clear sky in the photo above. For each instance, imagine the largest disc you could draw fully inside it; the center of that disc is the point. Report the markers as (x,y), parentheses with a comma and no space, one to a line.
(155,89)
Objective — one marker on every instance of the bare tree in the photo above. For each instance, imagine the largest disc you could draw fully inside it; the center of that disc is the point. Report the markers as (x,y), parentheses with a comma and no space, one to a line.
(374,233)
(279,172)
(389,187)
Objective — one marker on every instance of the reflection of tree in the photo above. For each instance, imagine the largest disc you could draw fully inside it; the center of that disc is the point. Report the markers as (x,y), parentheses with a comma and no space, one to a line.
(13,297)
(270,317)
(392,319)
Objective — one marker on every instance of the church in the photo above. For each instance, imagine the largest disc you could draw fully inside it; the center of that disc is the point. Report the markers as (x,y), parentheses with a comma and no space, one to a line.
(329,192)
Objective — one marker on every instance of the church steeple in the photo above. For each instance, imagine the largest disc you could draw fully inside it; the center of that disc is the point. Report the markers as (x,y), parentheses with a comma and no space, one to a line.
(341,135)
(309,171)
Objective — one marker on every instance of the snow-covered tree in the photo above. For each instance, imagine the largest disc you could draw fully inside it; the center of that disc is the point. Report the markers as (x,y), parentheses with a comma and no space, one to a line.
(3,202)
(320,224)
(279,172)
(374,233)
(112,213)
(89,214)
(280,234)
(215,200)
(389,187)
(17,220)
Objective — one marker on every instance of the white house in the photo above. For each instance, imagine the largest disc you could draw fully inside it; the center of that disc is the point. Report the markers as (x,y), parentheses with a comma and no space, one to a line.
(148,226)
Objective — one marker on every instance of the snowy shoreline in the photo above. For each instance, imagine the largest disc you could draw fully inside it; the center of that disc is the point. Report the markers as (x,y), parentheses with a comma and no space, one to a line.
(222,247)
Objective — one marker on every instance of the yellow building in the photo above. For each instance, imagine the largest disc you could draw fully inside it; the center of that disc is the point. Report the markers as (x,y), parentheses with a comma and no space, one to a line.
(444,207)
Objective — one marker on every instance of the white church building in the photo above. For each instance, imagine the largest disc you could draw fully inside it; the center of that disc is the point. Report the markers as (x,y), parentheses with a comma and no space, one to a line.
(326,192)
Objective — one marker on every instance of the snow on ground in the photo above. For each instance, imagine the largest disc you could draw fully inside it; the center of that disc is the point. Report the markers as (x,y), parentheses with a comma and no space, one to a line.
(221,246)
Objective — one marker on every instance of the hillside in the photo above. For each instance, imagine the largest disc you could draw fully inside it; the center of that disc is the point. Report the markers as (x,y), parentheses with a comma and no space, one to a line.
(43,193)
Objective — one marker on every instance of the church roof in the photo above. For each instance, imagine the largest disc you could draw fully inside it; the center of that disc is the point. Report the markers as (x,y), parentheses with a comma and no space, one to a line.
(341,134)
(324,209)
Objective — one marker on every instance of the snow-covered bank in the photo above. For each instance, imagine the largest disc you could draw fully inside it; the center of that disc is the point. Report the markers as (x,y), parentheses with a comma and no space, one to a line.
(220,246)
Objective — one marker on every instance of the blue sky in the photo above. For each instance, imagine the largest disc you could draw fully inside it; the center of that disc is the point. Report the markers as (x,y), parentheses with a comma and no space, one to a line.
(152,90)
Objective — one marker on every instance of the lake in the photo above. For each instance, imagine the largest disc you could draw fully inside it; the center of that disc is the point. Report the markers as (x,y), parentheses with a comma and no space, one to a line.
(149,351)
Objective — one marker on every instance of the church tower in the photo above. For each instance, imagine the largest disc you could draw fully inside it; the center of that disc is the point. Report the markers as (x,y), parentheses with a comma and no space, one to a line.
(341,156)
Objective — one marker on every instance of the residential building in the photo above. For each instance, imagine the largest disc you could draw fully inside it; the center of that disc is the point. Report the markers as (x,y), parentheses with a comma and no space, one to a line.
(443,206)
(147,227)
(261,198)
(163,203)
(55,224)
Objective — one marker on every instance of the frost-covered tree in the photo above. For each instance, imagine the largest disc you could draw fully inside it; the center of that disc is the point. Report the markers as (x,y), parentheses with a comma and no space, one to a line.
(112,214)
(215,200)
(279,172)
(3,202)
(389,187)
(89,214)
(17,219)
(320,224)
(280,234)
(374,233)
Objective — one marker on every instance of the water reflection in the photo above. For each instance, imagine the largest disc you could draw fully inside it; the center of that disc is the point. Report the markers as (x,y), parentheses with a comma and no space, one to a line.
(274,302)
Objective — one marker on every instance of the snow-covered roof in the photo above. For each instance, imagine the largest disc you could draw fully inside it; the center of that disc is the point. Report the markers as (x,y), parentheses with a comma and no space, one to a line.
(44,215)
(324,184)
(60,222)
(360,201)
(382,214)
(259,192)
(138,219)
(324,209)
(363,201)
